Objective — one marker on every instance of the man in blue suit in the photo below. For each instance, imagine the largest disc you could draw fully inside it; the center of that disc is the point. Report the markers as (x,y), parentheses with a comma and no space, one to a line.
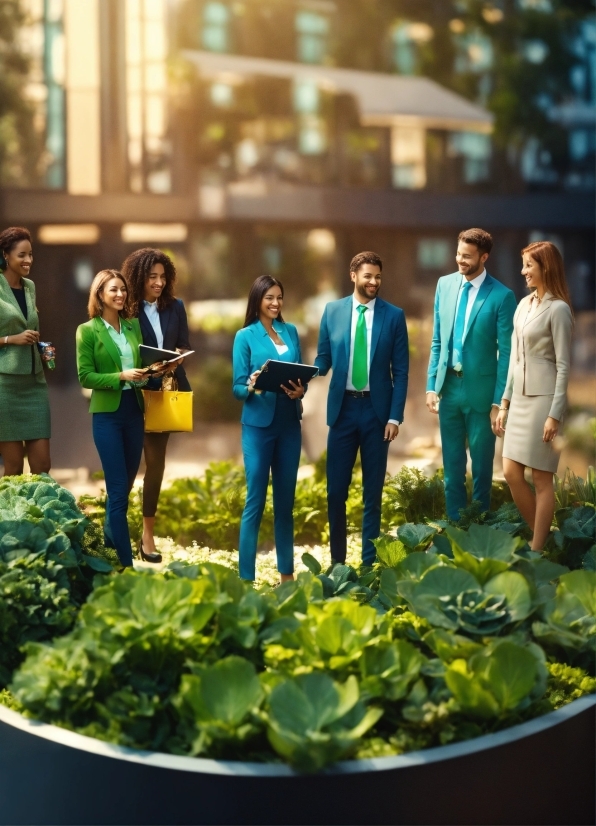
(365,341)
(469,359)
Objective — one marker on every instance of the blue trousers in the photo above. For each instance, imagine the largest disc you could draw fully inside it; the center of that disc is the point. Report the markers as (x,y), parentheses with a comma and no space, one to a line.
(274,449)
(461,425)
(118,438)
(357,426)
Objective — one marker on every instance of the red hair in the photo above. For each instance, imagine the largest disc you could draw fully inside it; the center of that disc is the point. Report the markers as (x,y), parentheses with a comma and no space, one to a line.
(553,270)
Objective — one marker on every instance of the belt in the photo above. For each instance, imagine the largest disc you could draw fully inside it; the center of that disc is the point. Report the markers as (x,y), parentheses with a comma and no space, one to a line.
(358,394)
(458,373)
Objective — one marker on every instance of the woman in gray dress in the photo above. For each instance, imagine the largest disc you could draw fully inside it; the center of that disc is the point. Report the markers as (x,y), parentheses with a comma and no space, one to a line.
(24,401)
(535,398)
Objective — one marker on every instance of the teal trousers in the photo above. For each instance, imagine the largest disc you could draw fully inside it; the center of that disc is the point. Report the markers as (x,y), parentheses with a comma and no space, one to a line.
(463,427)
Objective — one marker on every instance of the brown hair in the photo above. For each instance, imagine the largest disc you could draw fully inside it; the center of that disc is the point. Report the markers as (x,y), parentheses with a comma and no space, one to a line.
(553,270)
(9,238)
(258,289)
(135,270)
(365,258)
(95,304)
(479,237)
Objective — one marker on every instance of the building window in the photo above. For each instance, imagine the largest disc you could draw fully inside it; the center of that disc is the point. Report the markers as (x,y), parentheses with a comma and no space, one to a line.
(474,53)
(474,149)
(434,253)
(216,27)
(312,33)
(146,96)
(407,38)
(408,157)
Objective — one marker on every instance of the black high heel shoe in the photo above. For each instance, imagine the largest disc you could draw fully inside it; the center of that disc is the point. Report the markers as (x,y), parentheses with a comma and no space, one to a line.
(151,557)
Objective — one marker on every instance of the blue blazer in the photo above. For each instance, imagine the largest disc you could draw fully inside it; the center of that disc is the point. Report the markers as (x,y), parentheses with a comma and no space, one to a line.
(252,348)
(487,341)
(174,326)
(389,358)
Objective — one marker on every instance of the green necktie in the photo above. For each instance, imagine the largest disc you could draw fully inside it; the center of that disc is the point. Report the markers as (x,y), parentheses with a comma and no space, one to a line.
(360,363)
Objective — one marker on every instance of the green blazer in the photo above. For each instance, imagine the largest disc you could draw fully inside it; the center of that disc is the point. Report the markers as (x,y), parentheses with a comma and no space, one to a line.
(486,344)
(99,364)
(16,358)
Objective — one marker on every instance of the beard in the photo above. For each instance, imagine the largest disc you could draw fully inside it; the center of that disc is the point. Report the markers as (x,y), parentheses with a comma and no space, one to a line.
(361,290)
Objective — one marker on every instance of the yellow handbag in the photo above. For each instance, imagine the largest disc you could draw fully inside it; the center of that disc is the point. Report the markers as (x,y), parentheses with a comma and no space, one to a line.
(168,410)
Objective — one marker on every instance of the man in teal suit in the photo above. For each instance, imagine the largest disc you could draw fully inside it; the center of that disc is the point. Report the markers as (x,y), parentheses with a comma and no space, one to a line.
(469,359)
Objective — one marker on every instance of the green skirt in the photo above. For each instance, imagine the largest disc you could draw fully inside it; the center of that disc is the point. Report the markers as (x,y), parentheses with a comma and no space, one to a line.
(24,407)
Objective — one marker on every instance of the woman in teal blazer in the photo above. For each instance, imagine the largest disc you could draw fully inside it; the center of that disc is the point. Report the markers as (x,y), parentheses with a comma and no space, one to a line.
(108,364)
(271,434)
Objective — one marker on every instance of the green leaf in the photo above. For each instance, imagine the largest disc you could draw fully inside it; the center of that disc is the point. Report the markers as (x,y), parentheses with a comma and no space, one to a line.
(484,542)
(511,674)
(581,585)
(515,588)
(230,689)
(102,566)
(390,551)
(469,692)
(311,563)
(415,537)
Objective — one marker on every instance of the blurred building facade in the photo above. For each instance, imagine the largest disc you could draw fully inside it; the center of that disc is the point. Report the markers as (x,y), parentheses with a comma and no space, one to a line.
(223,132)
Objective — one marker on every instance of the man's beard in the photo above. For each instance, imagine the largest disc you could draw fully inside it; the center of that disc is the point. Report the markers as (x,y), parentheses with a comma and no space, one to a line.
(361,290)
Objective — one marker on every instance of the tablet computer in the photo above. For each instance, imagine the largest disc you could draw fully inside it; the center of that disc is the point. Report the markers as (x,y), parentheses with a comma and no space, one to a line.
(275,373)
(150,355)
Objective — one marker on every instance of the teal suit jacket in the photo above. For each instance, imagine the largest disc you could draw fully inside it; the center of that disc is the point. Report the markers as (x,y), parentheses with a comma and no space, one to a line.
(487,340)
(252,348)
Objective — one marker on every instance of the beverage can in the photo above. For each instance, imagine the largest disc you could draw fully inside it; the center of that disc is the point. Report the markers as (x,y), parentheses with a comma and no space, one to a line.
(47,351)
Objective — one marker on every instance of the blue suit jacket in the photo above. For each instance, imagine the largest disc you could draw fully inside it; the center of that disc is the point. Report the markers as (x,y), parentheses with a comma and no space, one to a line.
(174,326)
(389,358)
(487,341)
(252,348)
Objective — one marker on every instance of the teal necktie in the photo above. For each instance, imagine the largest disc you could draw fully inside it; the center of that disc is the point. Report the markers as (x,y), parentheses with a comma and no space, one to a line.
(460,326)
(360,362)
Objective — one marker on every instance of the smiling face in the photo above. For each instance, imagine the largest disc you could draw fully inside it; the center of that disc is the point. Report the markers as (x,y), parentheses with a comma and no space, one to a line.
(470,261)
(20,258)
(367,282)
(532,272)
(271,304)
(155,283)
(113,294)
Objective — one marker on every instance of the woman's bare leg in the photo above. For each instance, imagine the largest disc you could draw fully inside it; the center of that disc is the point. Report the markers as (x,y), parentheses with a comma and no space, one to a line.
(520,490)
(545,507)
(13,455)
(38,455)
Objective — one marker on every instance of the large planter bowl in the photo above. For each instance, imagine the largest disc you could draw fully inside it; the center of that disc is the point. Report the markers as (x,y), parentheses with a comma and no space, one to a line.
(540,772)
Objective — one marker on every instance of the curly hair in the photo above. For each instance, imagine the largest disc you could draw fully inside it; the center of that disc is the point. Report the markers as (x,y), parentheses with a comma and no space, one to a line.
(9,238)
(365,258)
(95,303)
(135,270)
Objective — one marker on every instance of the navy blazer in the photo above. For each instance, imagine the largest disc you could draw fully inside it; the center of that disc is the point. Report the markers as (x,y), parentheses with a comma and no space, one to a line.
(174,326)
(389,358)
(252,348)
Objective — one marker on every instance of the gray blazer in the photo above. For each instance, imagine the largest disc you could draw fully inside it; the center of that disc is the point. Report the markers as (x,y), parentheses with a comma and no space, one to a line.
(541,352)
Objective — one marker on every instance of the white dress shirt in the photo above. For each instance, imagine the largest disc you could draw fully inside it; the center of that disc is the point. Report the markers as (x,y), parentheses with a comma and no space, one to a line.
(368,320)
(475,284)
(152,314)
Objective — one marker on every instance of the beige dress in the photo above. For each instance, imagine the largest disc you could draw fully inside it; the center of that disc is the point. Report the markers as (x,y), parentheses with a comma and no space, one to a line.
(537,379)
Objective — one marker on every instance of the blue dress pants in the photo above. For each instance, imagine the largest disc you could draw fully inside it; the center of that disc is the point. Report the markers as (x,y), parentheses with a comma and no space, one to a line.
(274,448)
(460,424)
(357,426)
(118,437)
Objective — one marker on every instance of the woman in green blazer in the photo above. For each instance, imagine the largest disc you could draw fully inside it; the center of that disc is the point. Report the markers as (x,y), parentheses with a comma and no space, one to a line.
(24,402)
(109,365)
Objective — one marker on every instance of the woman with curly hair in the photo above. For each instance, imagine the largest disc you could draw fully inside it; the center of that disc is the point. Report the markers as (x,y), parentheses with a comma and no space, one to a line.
(109,364)
(24,401)
(151,277)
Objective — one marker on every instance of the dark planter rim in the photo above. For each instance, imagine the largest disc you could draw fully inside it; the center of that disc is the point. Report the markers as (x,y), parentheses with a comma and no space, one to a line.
(228,767)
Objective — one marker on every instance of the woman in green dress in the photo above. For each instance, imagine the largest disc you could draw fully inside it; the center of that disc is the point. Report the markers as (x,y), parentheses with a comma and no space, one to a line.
(24,401)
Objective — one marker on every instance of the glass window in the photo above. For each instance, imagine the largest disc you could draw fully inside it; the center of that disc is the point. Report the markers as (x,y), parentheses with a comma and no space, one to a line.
(407,37)
(408,157)
(312,31)
(216,27)
(475,150)
(474,52)
(434,253)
